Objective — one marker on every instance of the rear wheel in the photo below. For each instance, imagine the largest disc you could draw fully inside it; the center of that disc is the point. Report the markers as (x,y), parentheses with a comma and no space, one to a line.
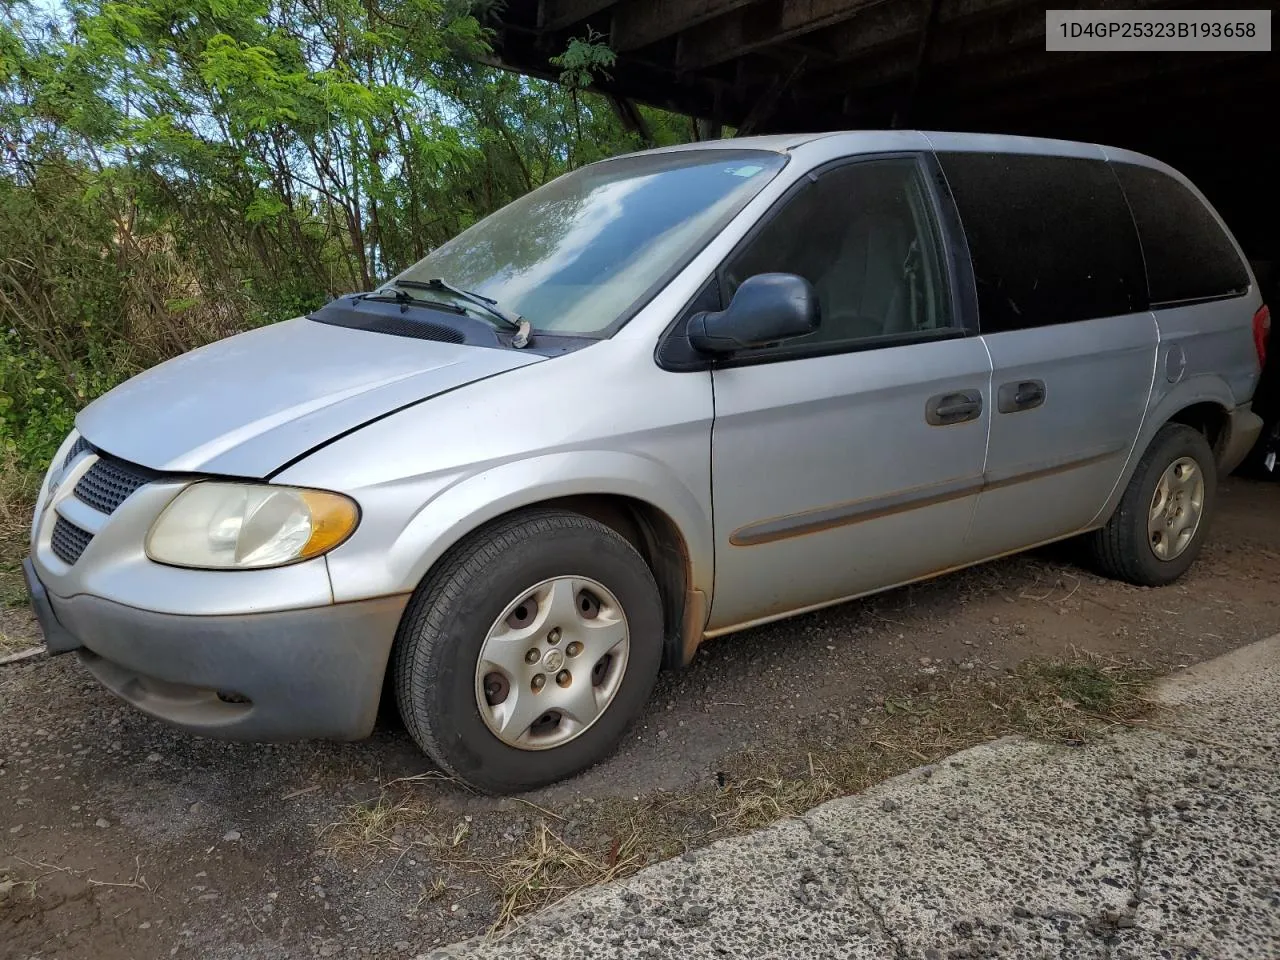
(526,655)
(1159,527)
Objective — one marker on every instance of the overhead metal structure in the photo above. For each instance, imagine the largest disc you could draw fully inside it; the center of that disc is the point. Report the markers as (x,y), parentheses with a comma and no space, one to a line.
(764,66)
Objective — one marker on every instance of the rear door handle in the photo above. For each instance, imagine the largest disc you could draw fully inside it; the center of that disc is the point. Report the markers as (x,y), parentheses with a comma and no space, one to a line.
(1020,395)
(948,408)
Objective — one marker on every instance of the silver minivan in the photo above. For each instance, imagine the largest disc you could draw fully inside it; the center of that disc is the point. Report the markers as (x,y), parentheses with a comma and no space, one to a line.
(663,398)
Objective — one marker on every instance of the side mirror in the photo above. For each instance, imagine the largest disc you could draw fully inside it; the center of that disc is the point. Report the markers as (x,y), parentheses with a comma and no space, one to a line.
(765,309)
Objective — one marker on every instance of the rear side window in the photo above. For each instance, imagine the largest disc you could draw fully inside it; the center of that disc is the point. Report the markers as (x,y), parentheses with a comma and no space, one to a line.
(1189,256)
(1051,239)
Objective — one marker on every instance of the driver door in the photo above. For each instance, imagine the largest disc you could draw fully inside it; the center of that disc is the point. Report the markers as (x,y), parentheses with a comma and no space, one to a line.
(851,458)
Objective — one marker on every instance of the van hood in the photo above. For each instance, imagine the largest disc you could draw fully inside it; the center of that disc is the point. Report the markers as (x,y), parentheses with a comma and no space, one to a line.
(247,405)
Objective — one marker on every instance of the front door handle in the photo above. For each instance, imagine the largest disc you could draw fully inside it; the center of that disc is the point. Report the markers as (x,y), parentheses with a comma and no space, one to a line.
(1020,395)
(948,408)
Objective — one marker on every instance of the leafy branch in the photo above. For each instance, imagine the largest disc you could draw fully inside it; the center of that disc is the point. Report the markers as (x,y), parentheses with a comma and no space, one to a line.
(583,59)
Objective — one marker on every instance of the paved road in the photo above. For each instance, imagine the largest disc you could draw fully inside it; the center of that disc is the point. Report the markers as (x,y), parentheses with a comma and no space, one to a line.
(1161,842)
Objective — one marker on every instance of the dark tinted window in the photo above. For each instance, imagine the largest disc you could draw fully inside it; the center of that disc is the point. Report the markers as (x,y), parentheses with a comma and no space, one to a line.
(1050,237)
(864,235)
(1189,257)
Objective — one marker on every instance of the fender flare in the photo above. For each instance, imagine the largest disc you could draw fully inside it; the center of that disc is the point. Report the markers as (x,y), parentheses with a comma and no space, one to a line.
(478,498)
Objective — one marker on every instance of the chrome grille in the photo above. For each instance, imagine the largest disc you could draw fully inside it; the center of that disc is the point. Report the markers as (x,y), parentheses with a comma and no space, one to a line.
(108,483)
(68,541)
(105,485)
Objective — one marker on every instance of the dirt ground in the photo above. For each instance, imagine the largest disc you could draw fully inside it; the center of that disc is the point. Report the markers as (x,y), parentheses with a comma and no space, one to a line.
(120,838)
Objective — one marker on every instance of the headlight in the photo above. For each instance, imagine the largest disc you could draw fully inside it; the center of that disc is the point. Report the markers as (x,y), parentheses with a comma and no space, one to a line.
(243,526)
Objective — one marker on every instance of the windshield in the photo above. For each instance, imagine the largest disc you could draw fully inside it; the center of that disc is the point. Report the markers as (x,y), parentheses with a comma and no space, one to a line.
(578,254)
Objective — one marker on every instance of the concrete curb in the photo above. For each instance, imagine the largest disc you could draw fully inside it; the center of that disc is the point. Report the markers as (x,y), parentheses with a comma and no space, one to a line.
(1151,843)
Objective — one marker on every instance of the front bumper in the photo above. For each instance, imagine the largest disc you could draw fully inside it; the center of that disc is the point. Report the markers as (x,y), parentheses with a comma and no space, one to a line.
(56,637)
(287,675)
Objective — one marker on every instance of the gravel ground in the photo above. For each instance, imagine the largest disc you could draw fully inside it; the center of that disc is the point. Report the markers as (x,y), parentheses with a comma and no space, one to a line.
(120,838)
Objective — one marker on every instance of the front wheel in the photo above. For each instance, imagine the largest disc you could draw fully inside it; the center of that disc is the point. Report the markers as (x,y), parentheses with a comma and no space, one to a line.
(1159,527)
(524,658)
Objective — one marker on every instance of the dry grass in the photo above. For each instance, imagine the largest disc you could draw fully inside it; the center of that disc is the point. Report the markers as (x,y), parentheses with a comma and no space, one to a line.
(758,801)
(1064,701)
(549,869)
(16,890)
(379,824)
(1070,701)
(16,505)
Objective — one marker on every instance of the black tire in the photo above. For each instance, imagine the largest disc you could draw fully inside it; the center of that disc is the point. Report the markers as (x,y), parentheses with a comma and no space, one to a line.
(450,614)
(1121,549)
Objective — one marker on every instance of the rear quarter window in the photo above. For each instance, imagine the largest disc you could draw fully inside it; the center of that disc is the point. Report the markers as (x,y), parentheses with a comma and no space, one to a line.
(1188,254)
(1051,239)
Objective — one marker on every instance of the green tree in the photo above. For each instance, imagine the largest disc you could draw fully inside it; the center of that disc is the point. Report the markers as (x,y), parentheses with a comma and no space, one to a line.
(171,172)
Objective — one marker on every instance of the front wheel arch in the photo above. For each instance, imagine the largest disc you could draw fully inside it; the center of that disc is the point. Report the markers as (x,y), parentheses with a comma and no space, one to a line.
(433,668)
(654,535)
(659,541)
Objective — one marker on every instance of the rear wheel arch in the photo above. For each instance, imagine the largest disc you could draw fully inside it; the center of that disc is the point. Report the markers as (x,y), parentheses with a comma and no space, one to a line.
(1209,418)
(1122,547)
(1203,403)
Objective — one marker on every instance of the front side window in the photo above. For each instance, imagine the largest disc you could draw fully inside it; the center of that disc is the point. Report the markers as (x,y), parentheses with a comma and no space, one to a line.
(865,236)
(578,255)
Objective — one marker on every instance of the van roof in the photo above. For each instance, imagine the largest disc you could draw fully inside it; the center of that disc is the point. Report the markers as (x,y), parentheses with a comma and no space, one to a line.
(937,139)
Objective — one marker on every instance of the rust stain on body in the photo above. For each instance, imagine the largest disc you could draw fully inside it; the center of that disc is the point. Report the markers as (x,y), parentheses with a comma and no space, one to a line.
(874,508)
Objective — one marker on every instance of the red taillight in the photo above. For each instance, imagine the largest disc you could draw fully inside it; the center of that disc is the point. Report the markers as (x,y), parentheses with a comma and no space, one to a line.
(1261,332)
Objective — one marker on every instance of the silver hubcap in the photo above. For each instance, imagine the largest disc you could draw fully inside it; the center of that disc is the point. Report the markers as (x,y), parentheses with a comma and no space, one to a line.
(1176,508)
(552,663)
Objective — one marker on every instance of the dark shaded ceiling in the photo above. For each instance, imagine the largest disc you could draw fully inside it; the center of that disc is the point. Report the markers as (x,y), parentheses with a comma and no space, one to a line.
(766,66)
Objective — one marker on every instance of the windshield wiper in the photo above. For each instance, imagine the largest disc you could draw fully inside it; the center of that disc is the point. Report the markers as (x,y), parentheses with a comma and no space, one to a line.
(405,300)
(524,330)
